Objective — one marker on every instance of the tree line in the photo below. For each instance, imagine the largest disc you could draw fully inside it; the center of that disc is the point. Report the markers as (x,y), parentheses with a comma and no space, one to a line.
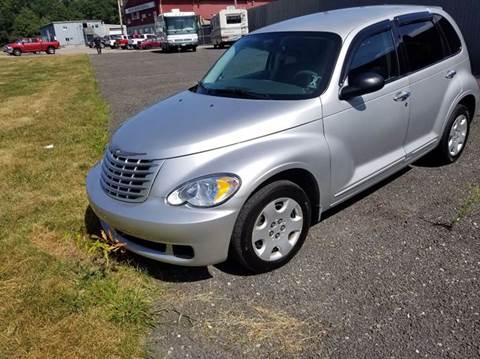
(23,18)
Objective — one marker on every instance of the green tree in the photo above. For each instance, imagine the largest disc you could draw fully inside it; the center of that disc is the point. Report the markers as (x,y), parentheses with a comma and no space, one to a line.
(27,23)
(20,18)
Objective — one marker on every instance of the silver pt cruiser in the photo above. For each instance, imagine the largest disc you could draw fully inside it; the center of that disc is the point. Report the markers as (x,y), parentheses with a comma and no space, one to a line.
(291,121)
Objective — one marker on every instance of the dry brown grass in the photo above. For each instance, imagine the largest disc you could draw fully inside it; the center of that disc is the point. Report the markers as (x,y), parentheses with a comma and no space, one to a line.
(56,298)
(259,326)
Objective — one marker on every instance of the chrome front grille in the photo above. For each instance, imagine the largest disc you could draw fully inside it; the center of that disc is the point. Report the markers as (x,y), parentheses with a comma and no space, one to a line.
(127,178)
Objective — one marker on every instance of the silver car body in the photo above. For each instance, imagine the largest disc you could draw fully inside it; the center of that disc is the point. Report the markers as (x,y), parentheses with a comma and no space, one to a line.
(342,147)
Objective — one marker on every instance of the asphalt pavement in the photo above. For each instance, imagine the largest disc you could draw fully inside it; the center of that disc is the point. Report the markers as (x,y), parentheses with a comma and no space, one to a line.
(393,273)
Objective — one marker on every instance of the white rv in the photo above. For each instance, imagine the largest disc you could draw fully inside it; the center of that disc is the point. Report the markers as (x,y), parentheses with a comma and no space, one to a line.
(178,30)
(228,26)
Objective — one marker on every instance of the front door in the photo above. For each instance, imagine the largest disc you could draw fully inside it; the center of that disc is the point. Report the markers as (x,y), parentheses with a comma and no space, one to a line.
(367,133)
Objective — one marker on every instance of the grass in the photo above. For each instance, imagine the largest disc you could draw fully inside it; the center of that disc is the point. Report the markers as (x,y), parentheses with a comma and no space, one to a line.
(258,327)
(471,203)
(58,298)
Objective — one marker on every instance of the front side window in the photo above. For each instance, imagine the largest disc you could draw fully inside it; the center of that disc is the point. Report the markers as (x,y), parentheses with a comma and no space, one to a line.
(423,44)
(376,53)
(282,65)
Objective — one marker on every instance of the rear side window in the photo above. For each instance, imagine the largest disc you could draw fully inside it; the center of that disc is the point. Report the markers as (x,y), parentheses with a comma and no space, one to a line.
(451,37)
(423,44)
(377,54)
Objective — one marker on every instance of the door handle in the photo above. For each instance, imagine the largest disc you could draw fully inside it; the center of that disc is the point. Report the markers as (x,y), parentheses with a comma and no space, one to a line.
(451,74)
(401,96)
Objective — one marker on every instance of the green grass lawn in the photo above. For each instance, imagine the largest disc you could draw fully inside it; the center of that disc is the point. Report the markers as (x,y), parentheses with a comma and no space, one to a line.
(58,298)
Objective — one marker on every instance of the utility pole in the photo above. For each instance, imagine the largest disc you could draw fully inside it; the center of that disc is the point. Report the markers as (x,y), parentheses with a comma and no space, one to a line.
(120,13)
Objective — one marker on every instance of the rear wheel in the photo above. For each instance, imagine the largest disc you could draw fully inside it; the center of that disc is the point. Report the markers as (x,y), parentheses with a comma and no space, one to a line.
(454,138)
(17,52)
(271,227)
(50,50)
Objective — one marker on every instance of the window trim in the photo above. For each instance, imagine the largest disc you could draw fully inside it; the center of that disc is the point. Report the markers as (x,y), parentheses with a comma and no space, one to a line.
(413,18)
(377,28)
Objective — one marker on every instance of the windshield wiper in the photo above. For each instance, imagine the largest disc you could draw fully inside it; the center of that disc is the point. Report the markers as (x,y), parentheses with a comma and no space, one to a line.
(241,92)
(202,86)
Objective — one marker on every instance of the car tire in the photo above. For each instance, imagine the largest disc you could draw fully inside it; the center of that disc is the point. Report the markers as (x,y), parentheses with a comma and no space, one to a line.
(454,138)
(194,49)
(271,227)
(17,52)
(51,50)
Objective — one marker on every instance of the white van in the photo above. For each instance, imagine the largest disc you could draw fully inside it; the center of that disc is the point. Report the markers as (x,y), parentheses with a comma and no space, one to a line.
(228,26)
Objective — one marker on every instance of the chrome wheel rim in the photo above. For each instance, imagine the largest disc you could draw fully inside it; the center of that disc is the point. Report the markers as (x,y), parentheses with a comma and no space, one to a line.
(458,135)
(277,229)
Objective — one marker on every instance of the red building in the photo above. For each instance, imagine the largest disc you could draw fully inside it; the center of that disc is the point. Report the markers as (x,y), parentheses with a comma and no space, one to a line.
(140,14)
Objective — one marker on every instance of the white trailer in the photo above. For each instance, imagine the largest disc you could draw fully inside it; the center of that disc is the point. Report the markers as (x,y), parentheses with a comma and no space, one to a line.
(178,30)
(228,26)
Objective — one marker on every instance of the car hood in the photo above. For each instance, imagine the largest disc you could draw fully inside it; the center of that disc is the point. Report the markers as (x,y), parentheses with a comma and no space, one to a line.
(189,123)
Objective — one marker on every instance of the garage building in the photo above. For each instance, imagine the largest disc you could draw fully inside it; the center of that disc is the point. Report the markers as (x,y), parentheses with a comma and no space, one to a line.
(78,32)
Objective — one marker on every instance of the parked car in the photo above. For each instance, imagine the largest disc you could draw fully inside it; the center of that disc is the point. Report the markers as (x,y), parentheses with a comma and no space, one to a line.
(150,43)
(110,40)
(122,42)
(136,40)
(35,45)
(293,120)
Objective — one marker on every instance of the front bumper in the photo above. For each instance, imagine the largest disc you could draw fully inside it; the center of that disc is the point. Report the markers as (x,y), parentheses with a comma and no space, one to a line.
(206,230)
(8,50)
(182,44)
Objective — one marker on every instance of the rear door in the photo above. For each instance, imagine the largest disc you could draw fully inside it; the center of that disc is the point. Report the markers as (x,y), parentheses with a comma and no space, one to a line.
(431,70)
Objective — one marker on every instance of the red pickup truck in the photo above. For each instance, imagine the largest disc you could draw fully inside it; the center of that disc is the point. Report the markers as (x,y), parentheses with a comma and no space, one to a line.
(123,42)
(21,46)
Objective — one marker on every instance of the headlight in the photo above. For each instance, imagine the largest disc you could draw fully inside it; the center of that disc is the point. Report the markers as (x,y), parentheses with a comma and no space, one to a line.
(207,191)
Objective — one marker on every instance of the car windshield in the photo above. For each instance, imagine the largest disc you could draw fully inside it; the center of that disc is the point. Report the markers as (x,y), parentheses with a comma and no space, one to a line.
(181,25)
(278,66)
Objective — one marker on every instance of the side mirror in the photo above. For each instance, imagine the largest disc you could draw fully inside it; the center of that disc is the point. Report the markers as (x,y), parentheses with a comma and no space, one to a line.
(362,84)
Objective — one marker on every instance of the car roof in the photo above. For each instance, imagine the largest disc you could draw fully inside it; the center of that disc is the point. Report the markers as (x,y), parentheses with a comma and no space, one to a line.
(343,21)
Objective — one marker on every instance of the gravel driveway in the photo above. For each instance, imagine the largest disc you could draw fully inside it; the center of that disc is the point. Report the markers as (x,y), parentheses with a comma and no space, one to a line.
(394,273)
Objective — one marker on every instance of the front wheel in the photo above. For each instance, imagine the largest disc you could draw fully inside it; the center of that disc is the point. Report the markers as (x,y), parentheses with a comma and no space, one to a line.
(271,227)
(454,138)
(17,52)
(51,50)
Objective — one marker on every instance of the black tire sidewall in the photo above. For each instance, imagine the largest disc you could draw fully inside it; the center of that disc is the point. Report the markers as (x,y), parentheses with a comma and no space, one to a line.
(17,52)
(444,153)
(241,245)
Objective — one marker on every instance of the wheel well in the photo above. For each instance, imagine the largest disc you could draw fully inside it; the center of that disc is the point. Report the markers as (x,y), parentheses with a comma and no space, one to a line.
(306,181)
(469,102)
